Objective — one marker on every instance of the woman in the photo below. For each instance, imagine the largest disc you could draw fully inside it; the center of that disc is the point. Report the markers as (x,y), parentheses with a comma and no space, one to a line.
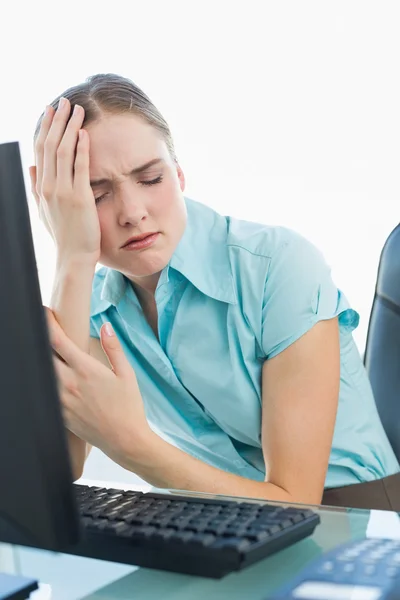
(233,367)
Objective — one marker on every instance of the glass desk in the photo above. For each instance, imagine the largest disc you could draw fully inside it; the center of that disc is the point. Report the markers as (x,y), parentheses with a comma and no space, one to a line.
(64,577)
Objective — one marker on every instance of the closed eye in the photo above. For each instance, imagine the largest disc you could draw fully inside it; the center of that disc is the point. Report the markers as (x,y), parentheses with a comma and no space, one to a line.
(97,200)
(153,181)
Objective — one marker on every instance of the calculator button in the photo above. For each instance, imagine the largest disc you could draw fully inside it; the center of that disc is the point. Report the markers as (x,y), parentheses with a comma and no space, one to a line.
(392,571)
(344,557)
(385,548)
(375,556)
(328,566)
(370,570)
(367,544)
(368,559)
(350,554)
(349,568)
(392,546)
(396,558)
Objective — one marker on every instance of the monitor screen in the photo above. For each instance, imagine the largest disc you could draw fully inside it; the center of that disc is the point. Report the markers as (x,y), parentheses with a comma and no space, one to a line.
(37,504)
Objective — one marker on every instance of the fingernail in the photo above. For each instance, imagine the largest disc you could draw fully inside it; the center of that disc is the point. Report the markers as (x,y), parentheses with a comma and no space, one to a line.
(61,103)
(76,109)
(47,110)
(109,329)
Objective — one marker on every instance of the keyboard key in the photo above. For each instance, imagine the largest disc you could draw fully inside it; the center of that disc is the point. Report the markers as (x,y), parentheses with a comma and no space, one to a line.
(203,539)
(197,526)
(307,514)
(163,534)
(271,511)
(120,527)
(182,537)
(234,529)
(143,531)
(256,535)
(160,522)
(297,518)
(116,495)
(134,496)
(285,523)
(94,524)
(238,544)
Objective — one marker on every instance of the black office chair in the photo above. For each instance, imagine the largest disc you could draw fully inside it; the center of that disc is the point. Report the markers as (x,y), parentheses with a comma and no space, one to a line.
(382,354)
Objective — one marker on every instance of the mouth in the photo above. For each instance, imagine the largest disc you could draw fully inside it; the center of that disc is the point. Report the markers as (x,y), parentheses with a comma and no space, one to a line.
(140,241)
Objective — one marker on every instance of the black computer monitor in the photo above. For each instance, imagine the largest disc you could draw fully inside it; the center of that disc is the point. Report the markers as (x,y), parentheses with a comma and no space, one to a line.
(37,506)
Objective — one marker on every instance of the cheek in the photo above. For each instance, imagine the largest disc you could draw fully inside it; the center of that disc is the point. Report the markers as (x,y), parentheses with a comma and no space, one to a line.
(104,221)
(167,201)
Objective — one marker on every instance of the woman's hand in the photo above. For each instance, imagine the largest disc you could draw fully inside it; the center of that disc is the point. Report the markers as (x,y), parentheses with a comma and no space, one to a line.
(100,405)
(61,183)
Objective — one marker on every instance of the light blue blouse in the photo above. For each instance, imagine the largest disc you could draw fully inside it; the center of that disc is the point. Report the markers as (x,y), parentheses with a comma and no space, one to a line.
(235,294)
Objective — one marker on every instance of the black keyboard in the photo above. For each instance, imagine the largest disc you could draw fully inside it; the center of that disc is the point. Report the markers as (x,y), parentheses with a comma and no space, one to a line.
(185,534)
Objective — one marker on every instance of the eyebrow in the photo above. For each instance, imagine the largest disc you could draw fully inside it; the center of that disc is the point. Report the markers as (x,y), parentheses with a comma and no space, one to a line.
(136,171)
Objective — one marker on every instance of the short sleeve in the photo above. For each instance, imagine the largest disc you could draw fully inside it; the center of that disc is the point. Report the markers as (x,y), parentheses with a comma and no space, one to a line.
(298,293)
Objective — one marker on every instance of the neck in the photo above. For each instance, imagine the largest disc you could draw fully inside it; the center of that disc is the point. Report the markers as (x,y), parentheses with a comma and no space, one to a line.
(145,287)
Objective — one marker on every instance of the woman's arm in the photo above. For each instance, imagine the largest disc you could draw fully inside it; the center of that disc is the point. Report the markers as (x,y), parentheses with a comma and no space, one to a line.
(300,398)
(61,188)
(70,302)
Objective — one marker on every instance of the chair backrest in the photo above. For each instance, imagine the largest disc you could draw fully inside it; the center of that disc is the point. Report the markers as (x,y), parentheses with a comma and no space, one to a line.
(382,354)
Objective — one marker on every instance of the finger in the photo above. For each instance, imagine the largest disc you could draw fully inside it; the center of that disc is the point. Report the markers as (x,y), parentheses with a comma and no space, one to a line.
(67,417)
(33,177)
(81,177)
(39,144)
(52,142)
(65,376)
(67,412)
(68,148)
(114,352)
(61,343)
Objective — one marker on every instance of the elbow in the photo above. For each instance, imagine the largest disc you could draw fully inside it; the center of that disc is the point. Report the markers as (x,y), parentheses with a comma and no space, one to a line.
(77,473)
(309,498)
(77,469)
(302,496)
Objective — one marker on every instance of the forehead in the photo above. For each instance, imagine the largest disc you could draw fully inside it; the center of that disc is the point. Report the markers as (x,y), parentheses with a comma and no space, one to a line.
(123,142)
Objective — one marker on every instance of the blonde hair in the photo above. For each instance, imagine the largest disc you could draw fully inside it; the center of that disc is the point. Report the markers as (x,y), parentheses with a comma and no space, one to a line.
(110,93)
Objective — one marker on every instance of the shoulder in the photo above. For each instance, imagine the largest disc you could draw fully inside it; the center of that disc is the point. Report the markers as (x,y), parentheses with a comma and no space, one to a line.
(256,252)
(244,236)
(278,268)
(276,244)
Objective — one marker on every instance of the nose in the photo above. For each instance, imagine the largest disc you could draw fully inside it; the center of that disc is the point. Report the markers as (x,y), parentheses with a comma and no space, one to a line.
(131,208)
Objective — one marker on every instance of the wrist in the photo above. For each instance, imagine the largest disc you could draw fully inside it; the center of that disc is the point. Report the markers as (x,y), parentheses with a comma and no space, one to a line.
(67,261)
(136,452)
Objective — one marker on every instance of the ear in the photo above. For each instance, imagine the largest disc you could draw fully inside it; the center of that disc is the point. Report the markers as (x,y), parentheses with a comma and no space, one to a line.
(181,177)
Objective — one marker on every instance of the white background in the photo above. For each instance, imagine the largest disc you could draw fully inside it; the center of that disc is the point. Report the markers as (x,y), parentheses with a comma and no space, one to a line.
(283,112)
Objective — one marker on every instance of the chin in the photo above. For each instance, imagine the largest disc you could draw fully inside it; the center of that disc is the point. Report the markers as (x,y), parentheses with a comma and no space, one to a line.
(146,266)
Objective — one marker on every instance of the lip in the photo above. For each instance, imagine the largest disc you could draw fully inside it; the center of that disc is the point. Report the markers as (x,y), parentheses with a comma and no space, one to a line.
(141,241)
